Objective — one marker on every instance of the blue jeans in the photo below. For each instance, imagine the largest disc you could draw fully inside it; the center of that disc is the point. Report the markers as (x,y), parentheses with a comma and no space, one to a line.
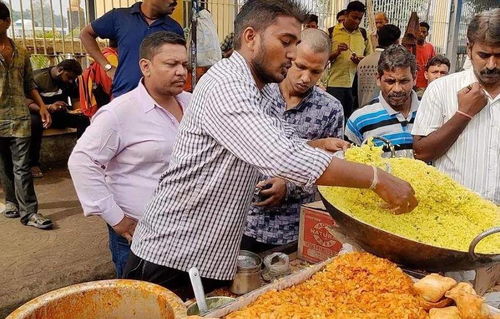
(120,249)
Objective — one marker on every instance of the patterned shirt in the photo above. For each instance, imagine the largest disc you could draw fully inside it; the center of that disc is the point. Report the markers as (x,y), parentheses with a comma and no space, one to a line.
(318,115)
(16,82)
(227,136)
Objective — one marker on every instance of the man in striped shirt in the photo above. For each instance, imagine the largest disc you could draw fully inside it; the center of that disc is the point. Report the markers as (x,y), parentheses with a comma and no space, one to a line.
(229,135)
(458,124)
(392,114)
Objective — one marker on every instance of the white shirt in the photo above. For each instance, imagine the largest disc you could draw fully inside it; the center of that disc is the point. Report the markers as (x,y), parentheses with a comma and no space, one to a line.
(116,164)
(474,159)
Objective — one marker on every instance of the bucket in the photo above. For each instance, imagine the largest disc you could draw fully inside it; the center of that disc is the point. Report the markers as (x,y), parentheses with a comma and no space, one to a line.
(106,299)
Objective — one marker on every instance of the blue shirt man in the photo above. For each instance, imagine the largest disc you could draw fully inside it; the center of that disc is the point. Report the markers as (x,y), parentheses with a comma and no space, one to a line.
(129,26)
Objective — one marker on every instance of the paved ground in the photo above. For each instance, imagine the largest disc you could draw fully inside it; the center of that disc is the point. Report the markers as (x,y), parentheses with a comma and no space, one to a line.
(33,261)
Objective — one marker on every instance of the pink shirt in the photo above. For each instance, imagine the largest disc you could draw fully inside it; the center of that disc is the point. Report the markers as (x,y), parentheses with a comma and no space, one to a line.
(116,164)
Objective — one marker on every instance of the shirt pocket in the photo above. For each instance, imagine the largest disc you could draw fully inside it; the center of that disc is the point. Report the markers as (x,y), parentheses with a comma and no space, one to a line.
(150,151)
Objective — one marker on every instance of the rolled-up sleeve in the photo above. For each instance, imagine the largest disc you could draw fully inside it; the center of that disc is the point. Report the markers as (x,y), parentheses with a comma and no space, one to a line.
(430,115)
(98,145)
(235,119)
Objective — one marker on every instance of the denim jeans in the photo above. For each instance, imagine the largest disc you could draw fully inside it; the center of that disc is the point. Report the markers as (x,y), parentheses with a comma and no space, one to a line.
(15,175)
(120,249)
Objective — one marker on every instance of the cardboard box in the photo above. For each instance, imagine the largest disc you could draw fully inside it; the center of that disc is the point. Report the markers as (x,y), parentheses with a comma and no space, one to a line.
(317,241)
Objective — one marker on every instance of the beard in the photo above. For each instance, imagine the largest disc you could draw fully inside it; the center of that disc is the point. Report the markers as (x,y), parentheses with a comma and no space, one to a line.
(397,100)
(264,74)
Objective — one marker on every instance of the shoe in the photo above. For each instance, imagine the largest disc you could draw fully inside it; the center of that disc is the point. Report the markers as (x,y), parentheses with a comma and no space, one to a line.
(36,172)
(11,211)
(39,221)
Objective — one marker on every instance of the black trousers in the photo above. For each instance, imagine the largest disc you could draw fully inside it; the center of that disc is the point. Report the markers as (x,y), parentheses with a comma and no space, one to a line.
(250,244)
(172,279)
(15,174)
(60,120)
(344,95)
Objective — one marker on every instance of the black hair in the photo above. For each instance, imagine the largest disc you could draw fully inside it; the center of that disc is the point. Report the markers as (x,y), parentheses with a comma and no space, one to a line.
(4,11)
(312,18)
(154,41)
(425,25)
(341,13)
(356,6)
(437,60)
(259,14)
(387,35)
(71,65)
(396,56)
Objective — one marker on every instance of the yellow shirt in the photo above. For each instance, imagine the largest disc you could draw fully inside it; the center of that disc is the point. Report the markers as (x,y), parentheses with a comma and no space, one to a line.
(342,70)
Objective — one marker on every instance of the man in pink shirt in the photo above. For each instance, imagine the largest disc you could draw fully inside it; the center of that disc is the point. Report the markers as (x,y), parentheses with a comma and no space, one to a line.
(425,51)
(116,164)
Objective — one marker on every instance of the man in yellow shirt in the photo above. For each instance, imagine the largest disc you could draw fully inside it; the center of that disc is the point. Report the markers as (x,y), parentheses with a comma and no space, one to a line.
(350,44)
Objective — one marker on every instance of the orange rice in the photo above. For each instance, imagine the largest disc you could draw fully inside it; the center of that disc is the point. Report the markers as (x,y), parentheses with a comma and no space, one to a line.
(353,286)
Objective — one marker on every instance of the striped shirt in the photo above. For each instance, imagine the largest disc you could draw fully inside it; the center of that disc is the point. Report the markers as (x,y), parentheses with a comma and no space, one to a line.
(379,119)
(474,159)
(227,136)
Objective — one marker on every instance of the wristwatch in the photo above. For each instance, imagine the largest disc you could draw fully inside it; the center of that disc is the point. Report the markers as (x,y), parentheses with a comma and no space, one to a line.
(108,67)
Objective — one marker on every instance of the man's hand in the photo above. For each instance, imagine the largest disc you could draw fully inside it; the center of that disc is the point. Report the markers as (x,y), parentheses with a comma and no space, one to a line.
(356,59)
(342,47)
(58,106)
(330,144)
(397,193)
(275,194)
(45,115)
(472,99)
(126,228)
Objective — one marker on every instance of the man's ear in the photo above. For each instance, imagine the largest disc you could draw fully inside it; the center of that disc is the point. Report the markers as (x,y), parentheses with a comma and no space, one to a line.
(469,50)
(145,66)
(425,75)
(250,38)
(379,80)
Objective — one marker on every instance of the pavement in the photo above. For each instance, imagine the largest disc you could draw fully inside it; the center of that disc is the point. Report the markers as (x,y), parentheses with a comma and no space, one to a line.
(33,261)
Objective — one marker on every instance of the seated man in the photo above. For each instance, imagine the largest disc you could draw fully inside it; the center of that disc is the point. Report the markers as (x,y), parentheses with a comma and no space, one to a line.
(314,114)
(56,85)
(392,114)
(117,163)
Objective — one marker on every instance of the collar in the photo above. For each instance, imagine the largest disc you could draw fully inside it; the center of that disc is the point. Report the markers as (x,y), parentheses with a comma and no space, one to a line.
(135,8)
(272,92)
(241,65)
(392,112)
(148,103)
(343,28)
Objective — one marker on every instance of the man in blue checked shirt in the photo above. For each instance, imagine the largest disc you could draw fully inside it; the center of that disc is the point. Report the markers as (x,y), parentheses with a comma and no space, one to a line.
(128,26)
(314,114)
(392,114)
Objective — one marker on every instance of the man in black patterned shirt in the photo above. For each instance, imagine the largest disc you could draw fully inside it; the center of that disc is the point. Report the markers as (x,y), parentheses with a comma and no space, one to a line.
(314,114)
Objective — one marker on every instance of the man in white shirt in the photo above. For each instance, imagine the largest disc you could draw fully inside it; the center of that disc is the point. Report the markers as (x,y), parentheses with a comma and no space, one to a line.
(458,122)
(117,163)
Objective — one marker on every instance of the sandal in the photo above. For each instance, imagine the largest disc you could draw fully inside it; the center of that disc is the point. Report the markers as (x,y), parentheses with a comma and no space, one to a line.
(39,221)
(11,211)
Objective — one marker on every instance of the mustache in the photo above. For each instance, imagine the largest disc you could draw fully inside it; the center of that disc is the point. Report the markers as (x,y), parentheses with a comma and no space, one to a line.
(397,95)
(490,72)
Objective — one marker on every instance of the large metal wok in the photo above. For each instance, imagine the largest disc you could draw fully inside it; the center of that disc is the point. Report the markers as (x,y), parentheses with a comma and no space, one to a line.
(407,252)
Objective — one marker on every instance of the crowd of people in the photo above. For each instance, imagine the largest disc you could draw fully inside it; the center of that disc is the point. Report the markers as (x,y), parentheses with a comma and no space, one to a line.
(188,179)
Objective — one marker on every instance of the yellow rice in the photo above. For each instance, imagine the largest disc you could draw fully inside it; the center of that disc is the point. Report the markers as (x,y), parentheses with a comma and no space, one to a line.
(448,215)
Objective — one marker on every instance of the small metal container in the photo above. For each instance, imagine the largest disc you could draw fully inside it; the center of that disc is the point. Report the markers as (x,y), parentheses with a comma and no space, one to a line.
(248,273)
(212,303)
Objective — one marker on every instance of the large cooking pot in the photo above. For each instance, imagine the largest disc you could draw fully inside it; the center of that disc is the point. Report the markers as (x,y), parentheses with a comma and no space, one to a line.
(406,251)
(106,299)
